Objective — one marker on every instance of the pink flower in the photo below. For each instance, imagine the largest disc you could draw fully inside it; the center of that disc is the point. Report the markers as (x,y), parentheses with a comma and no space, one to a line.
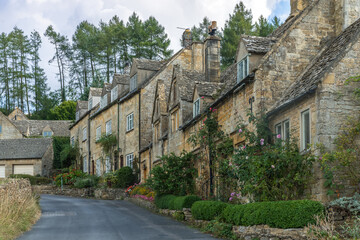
(210,109)
(278,136)
(244,147)
(320,158)
(230,199)
(203,136)
(272,166)
(240,130)
(202,97)
(230,164)
(233,194)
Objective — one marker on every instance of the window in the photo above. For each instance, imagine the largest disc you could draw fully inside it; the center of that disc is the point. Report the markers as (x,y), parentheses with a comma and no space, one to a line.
(196,107)
(72,141)
(85,165)
(77,116)
(174,121)
(98,133)
(47,133)
(103,101)
(108,127)
(90,104)
(283,129)
(130,122)
(0,129)
(242,69)
(98,167)
(305,129)
(84,134)
(107,164)
(157,131)
(129,160)
(133,82)
(114,93)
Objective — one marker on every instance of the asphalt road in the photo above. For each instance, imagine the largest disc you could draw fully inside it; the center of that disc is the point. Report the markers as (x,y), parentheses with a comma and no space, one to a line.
(69,218)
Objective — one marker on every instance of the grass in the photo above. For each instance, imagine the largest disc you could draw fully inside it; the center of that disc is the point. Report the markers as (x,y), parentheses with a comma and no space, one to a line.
(19,209)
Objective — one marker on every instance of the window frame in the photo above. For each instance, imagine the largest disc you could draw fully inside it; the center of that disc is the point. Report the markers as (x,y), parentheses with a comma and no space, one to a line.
(84,133)
(98,167)
(130,122)
(72,141)
(77,116)
(90,104)
(114,93)
(196,107)
(85,164)
(98,133)
(130,158)
(108,127)
(175,120)
(133,82)
(103,101)
(304,138)
(284,131)
(243,70)
(107,164)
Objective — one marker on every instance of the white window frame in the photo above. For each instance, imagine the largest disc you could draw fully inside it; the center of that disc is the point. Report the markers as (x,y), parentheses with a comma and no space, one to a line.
(85,164)
(90,104)
(73,141)
(196,107)
(108,127)
(130,160)
(84,137)
(284,131)
(98,133)
(77,116)
(133,82)
(103,101)
(114,93)
(98,167)
(107,164)
(130,122)
(243,68)
(304,143)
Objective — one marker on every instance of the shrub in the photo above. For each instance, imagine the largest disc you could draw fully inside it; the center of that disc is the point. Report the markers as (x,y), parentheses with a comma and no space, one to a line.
(185,202)
(178,215)
(282,214)
(125,177)
(207,210)
(110,179)
(69,178)
(350,203)
(220,230)
(85,182)
(164,201)
(33,180)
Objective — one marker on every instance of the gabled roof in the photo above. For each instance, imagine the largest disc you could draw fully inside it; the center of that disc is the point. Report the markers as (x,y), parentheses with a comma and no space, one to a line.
(120,79)
(208,89)
(186,82)
(95,92)
(148,64)
(161,91)
(255,44)
(36,127)
(25,148)
(321,64)
(17,112)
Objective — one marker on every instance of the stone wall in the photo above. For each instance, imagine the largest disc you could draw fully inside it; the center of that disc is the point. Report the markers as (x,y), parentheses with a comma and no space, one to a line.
(48,161)
(9,165)
(8,130)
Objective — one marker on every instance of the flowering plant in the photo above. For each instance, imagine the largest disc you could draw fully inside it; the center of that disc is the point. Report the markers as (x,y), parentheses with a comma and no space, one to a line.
(70,177)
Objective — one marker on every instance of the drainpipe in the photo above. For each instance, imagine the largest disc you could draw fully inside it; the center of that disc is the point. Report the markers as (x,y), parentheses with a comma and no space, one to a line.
(118,133)
(139,120)
(89,151)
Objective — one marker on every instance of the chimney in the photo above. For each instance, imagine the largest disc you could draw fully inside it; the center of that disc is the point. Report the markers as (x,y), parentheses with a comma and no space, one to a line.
(212,55)
(347,12)
(187,38)
(298,5)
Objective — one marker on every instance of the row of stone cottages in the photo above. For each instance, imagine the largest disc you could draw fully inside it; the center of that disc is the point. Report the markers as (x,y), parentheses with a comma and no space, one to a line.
(296,74)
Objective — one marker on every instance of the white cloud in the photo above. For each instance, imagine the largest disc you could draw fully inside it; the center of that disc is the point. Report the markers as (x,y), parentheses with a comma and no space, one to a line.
(65,15)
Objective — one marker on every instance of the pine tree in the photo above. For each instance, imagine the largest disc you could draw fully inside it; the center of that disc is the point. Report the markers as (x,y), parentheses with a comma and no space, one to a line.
(135,28)
(200,33)
(4,72)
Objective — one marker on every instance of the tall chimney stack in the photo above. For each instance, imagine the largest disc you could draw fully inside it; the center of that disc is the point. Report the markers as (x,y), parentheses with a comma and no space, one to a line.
(187,38)
(212,55)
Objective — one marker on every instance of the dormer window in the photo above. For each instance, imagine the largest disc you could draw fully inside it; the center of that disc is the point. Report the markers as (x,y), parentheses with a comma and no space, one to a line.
(90,105)
(77,116)
(103,101)
(47,133)
(133,82)
(242,69)
(114,93)
(196,107)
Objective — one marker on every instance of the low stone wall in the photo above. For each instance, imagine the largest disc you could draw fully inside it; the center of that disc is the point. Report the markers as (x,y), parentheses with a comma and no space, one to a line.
(143,203)
(264,232)
(110,194)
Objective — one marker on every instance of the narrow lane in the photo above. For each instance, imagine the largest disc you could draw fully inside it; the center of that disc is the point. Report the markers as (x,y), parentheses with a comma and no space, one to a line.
(66,218)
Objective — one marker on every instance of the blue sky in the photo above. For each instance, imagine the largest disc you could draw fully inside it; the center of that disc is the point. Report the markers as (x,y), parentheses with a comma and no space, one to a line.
(65,15)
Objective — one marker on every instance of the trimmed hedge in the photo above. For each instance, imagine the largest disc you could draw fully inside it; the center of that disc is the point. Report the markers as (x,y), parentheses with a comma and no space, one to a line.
(207,210)
(86,182)
(33,180)
(281,214)
(185,202)
(125,177)
(164,201)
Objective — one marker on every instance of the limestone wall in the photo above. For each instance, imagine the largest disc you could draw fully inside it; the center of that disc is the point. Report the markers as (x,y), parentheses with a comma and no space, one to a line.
(8,130)
(9,165)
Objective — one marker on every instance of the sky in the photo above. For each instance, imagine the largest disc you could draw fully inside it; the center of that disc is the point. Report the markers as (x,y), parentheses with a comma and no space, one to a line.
(65,15)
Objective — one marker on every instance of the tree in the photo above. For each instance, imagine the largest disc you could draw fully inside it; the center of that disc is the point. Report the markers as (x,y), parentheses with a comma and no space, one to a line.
(200,33)
(156,40)
(263,27)
(240,22)
(136,30)
(65,111)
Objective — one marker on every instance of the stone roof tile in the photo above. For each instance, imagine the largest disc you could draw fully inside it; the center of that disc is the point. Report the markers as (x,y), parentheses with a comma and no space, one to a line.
(36,127)
(255,44)
(25,148)
(148,64)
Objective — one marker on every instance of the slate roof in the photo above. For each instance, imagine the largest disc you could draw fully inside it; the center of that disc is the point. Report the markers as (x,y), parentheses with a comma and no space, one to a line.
(58,127)
(25,148)
(321,64)
(148,64)
(95,92)
(187,83)
(255,44)
(121,79)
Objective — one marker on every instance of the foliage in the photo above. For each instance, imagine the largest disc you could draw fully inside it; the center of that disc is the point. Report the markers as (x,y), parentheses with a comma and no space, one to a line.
(175,176)
(65,111)
(200,32)
(269,171)
(350,203)
(263,27)
(323,228)
(345,158)
(219,229)
(355,79)
(215,147)
(125,177)
(179,216)
(34,180)
(110,178)
(64,155)
(164,201)
(281,214)
(142,191)
(185,201)
(107,142)
(207,210)
(352,230)
(86,182)
(69,178)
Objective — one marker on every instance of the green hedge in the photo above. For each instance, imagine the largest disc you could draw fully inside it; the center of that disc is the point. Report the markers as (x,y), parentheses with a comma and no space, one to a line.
(207,210)
(86,182)
(185,202)
(33,180)
(164,201)
(282,214)
(125,177)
